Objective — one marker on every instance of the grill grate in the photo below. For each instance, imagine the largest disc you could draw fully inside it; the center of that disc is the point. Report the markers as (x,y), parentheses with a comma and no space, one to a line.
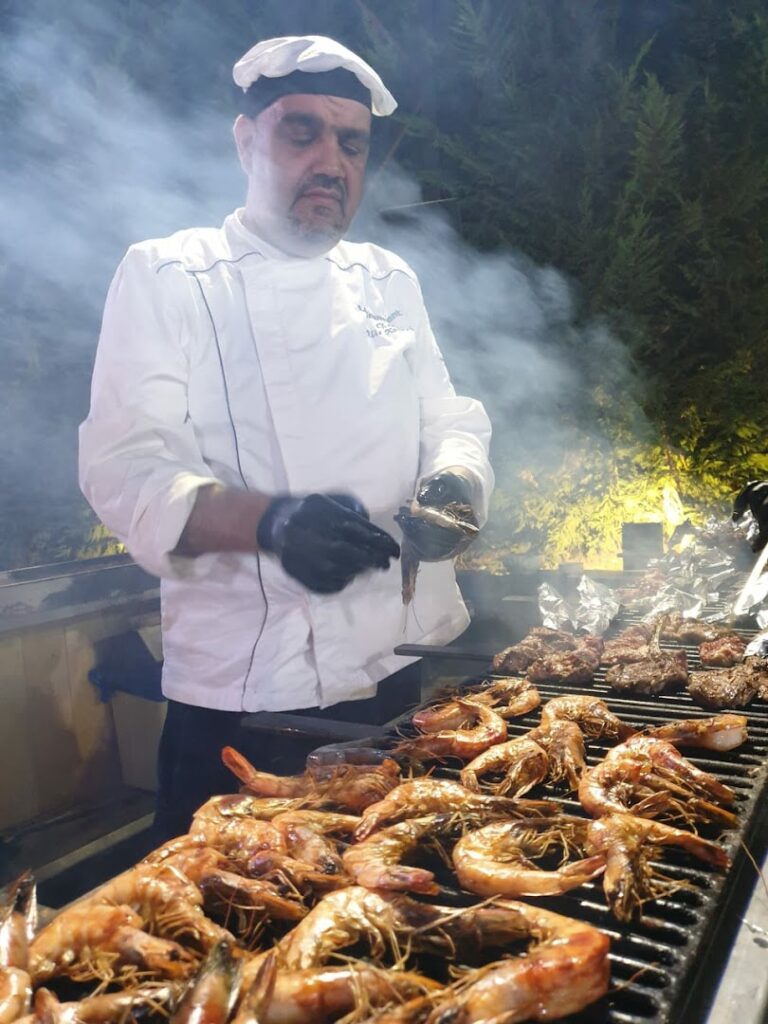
(663,968)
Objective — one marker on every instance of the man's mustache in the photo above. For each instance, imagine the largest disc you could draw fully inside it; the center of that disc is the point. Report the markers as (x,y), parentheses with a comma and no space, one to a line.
(334,185)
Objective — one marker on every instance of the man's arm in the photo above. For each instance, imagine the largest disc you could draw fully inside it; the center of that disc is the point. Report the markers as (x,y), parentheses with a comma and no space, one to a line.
(142,470)
(222,519)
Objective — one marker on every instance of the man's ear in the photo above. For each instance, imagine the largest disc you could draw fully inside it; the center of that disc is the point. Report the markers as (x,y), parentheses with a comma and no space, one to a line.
(244,132)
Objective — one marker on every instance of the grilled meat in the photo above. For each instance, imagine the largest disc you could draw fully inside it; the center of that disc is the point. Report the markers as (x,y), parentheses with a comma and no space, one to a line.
(689,631)
(539,643)
(658,671)
(720,688)
(552,639)
(734,687)
(566,667)
(628,646)
(723,652)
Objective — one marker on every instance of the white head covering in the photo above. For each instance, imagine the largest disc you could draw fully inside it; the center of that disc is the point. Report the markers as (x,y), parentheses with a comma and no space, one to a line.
(274,58)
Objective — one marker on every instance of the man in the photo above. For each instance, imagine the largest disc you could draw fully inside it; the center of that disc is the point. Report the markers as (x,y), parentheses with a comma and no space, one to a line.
(265,397)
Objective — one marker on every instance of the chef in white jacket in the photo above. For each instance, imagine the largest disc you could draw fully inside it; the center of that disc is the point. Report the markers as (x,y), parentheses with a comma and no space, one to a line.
(265,396)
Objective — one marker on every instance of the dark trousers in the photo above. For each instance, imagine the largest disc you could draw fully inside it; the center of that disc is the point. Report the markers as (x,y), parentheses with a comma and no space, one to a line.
(189,759)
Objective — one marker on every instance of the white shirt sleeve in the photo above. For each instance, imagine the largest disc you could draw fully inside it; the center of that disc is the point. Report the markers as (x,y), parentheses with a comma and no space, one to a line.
(455,431)
(140,464)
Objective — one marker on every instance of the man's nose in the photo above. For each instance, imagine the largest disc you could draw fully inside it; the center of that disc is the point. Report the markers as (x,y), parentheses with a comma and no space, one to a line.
(328,157)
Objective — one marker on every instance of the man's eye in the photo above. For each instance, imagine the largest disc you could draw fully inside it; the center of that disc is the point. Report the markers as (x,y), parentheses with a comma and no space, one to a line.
(350,149)
(301,140)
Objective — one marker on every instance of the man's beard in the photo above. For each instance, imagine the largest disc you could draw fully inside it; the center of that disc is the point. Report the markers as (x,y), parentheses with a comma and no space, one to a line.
(317,235)
(314,230)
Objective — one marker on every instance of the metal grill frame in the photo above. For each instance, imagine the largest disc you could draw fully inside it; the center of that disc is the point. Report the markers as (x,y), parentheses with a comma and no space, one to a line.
(664,969)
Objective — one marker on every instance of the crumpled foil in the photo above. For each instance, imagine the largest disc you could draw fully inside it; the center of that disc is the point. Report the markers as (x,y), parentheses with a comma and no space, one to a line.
(758,645)
(592,608)
(699,575)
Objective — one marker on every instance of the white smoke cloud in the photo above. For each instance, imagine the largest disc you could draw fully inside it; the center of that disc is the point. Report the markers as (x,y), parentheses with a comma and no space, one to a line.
(91,163)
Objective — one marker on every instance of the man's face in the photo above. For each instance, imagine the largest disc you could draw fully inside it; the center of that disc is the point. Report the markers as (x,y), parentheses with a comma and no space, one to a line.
(305,158)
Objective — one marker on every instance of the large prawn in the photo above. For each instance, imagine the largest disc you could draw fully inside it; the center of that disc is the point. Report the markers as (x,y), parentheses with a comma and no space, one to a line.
(509,697)
(346,786)
(376,862)
(18,920)
(630,845)
(496,860)
(346,916)
(89,941)
(427,795)
(565,969)
(650,778)
(321,994)
(464,743)
(521,762)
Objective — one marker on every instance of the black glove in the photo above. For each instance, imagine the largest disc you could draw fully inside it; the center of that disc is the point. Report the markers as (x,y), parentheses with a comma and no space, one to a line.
(754,496)
(430,541)
(324,540)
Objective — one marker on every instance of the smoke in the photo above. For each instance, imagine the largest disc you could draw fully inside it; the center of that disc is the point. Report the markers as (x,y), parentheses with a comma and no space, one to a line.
(93,161)
(512,335)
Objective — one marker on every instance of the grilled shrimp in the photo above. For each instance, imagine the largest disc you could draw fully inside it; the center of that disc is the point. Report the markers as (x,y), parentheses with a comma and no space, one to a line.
(508,697)
(239,837)
(522,761)
(107,1008)
(376,861)
(88,941)
(305,832)
(166,899)
(650,778)
(563,742)
(344,917)
(426,795)
(320,994)
(347,786)
(211,872)
(495,860)
(18,921)
(211,996)
(593,716)
(464,743)
(263,783)
(629,845)
(15,993)
(511,696)
(241,805)
(718,732)
(564,970)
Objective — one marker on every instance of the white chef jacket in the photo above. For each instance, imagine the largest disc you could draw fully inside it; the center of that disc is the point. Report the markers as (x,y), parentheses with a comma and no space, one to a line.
(224,360)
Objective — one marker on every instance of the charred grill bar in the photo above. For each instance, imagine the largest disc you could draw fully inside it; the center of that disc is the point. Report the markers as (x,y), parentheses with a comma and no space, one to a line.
(665,967)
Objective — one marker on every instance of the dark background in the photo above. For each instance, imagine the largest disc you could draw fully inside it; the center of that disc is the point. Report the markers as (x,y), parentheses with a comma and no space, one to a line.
(622,142)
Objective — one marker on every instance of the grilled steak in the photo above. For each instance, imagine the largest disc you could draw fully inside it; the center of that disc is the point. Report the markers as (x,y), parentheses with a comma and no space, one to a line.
(628,646)
(727,687)
(658,671)
(724,652)
(539,643)
(566,667)
(689,631)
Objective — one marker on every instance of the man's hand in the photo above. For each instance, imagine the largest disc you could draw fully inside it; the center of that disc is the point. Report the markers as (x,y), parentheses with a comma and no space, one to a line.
(324,540)
(430,540)
(754,496)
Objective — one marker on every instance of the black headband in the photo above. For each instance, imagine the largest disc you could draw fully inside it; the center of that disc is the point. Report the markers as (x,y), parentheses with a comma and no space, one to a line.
(338,82)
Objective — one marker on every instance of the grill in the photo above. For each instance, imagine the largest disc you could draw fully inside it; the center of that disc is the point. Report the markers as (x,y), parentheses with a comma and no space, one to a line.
(664,968)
